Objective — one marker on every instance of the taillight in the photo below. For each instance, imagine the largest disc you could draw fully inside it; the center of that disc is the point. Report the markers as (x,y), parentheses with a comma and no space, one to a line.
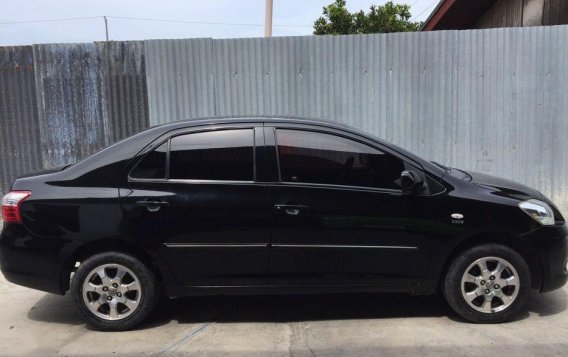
(11,206)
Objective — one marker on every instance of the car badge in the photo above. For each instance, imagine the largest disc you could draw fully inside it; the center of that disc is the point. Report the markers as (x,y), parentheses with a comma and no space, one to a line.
(457,218)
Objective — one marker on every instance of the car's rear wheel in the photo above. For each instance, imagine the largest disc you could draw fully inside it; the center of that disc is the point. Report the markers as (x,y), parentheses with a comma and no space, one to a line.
(114,291)
(487,284)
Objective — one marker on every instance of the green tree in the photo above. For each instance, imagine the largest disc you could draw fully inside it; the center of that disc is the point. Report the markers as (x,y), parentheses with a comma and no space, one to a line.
(390,17)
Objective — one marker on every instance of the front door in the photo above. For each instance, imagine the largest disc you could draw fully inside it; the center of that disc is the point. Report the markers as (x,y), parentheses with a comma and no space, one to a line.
(196,196)
(340,215)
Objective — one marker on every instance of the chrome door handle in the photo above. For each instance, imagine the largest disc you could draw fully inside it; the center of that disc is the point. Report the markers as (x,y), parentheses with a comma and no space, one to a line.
(152,206)
(291,210)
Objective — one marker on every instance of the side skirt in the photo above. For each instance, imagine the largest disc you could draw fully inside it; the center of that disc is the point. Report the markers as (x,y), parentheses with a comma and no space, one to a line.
(183,291)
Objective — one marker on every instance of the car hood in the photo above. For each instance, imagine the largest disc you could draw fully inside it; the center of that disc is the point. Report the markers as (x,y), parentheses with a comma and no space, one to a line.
(506,187)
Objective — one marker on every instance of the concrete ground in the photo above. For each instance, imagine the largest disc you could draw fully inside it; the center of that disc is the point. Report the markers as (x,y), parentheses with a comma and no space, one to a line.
(38,324)
(35,323)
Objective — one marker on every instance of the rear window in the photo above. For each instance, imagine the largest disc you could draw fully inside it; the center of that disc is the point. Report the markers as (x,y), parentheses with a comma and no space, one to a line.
(224,155)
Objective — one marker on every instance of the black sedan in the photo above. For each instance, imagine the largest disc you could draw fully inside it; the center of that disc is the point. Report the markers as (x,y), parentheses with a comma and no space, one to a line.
(275,206)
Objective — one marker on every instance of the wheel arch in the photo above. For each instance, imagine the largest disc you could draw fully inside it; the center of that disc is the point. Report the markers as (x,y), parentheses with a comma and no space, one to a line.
(511,241)
(106,245)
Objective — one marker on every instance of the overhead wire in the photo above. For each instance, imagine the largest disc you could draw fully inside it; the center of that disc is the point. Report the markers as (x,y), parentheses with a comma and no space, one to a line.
(146,19)
(51,20)
(435,2)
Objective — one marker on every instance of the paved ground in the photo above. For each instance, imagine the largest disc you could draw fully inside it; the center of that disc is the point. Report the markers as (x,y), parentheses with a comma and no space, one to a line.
(36,323)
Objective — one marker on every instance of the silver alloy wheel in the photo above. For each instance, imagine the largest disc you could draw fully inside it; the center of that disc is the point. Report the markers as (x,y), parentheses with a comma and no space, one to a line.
(490,284)
(112,292)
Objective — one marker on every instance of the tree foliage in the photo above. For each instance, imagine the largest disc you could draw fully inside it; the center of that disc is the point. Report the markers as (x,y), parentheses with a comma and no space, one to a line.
(390,17)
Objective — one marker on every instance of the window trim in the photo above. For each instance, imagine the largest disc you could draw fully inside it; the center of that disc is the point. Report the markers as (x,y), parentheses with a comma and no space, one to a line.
(167,159)
(326,185)
(337,187)
(169,136)
(148,149)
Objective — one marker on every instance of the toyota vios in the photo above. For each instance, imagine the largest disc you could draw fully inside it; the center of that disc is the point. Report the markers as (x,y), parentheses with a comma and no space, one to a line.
(275,206)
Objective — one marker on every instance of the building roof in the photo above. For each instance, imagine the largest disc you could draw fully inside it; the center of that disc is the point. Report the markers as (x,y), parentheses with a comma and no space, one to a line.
(457,14)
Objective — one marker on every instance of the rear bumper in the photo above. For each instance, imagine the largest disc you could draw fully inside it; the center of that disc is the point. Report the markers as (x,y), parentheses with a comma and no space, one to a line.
(551,243)
(31,261)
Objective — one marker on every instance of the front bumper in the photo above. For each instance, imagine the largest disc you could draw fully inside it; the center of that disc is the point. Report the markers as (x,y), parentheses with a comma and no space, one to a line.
(31,261)
(551,243)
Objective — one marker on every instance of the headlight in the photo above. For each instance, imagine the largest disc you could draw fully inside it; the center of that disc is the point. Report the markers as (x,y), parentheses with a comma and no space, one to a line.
(538,210)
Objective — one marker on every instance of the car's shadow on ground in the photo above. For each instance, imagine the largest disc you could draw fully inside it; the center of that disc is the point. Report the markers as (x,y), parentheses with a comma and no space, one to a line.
(292,308)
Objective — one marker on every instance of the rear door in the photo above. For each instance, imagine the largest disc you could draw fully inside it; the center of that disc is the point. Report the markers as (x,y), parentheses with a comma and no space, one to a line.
(340,215)
(196,197)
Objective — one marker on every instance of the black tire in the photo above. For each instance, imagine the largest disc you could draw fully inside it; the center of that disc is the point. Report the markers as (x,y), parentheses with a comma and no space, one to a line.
(146,301)
(452,285)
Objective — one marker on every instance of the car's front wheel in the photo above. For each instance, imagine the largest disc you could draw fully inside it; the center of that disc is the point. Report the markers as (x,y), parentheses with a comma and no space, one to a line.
(488,283)
(114,291)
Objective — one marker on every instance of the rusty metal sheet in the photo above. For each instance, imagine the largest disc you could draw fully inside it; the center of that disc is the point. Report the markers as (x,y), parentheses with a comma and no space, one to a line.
(124,91)
(19,125)
(70,103)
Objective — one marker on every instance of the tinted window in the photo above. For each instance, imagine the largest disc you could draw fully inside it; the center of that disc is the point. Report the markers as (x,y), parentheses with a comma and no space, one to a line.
(214,155)
(329,159)
(153,165)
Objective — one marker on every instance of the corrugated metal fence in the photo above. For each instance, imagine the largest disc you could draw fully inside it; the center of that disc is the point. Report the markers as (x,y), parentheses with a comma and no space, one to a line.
(487,100)
(19,126)
(62,102)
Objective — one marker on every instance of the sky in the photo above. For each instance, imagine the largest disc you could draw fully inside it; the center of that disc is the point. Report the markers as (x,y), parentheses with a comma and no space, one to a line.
(233,18)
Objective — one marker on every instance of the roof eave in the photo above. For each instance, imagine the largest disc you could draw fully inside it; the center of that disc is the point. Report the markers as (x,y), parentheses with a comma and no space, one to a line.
(436,15)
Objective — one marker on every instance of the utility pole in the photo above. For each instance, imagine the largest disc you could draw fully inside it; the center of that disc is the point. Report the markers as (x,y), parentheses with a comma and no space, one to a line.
(268,19)
(106,28)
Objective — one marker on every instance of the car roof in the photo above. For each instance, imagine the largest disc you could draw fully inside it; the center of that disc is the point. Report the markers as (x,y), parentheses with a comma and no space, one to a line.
(129,147)
(252,119)
(290,120)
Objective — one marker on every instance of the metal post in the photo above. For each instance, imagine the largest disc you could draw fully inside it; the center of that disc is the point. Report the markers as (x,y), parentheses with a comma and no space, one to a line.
(268,19)
(106,28)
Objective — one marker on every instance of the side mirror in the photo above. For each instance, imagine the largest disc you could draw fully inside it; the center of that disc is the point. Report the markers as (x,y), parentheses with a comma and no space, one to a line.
(410,181)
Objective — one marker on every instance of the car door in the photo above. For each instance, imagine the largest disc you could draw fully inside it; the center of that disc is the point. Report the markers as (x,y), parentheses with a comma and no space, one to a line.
(340,215)
(196,197)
